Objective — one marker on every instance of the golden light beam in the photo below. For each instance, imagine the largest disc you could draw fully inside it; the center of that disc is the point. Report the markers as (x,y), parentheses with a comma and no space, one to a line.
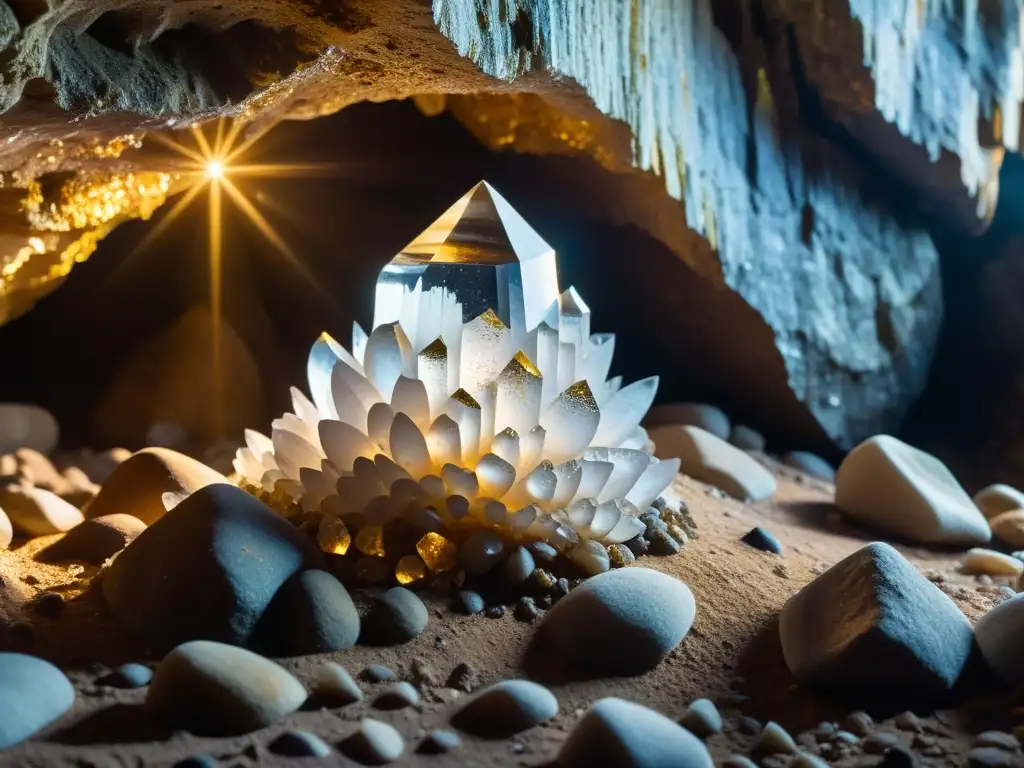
(242,148)
(218,140)
(191,154)
(172,214)
(216,308)
(285,169)
(204,145)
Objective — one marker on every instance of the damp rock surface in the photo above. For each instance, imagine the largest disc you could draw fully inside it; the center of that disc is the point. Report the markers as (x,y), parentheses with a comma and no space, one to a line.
(873,624)
(238,554)
(622,622)
(220,690)
(898,489)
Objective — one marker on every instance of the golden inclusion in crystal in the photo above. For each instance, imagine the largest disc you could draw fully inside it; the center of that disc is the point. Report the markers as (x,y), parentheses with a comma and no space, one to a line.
(333,536)
(370,540)
(409,569)
(437,552)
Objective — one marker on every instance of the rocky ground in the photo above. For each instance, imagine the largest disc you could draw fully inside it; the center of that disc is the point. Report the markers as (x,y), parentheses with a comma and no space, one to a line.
(731,656)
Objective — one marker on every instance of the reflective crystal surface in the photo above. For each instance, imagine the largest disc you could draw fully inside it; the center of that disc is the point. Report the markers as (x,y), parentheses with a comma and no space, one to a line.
(479,255)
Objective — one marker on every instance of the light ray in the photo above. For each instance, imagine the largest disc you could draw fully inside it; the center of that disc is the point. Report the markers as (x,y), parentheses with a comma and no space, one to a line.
(182,203)
(285,169)
(218,141)
(216,304)
(204,145)
(233,154)
(181,149)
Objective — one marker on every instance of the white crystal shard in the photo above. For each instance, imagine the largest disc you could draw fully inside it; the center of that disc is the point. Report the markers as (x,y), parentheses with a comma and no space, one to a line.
(482,255)
(480,398)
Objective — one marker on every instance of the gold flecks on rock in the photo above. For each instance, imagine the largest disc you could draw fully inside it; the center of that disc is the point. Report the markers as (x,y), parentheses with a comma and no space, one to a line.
(462,396)
(370,540)
(409,569)
(333,536)
(90,199)
(438,553)
(581,395)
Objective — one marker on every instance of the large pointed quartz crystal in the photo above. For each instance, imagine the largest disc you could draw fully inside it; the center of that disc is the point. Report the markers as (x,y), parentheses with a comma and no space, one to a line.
(478,255)
(479,400)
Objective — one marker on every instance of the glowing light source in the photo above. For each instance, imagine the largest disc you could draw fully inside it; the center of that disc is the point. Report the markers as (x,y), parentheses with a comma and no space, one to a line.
(215,170)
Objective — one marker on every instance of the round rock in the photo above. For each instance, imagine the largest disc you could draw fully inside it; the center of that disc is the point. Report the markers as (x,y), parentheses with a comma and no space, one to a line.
(311,613)
(481,551)
(760,538)
(989,562)
(333,686)
(129,676)
(95,541)
(374,743)
(590,557)
(1009,527)
(702,718)
(746,439)
(299,744)
(518,567)
(397,616)
(397,696)
(706,417)
(38,512)
(439,742)
(208,569)
(713,461)
(628,735)
(33,694)
(896,488)
(505,709)
(219,690)
(149,483)
(810,464)
(27,426)
(999,634)
(996,499)
(622,622)
(471,603)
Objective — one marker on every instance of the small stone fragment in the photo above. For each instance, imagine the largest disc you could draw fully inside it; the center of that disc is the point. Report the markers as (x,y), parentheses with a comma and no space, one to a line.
(746,439)
(397,616)
(859,722)
(462,678)
(333,686)
(702,719)
(374,743)
(526,609)
(620,555)
(543,551)
(518,566)
(998,739)
(495,611)
(505,709)
(48,604)
(299,744)
(998,499)
(880,743)
(410,569)
(708,417)
(422,674)
(471,603)
(590,557)
(397,696)
(662,542)
(991,757)
(560,589)
(646,611)
(220,690)
(872,623)
(761,539)
(638,545)
(620,733)
(738,761)
(96,540)
(36,511)
(811,464)
(481,551)
(439,554)
(711,460)
(749,725)
(774,740)
(807,760)
(990,563)
(894,487)
(439,742)
(128,676)
(33,694)
(542,578)
(908,721)
(375,673)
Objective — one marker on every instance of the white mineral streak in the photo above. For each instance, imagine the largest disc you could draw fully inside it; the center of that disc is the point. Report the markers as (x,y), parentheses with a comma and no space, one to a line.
(982,70)
(504,420)
(666,70)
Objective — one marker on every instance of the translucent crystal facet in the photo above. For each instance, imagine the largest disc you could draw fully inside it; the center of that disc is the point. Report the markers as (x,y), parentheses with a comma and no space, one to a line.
(479,399)
(479,255)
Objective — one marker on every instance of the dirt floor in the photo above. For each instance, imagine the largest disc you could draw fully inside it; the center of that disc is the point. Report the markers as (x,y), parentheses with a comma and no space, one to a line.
(732,654)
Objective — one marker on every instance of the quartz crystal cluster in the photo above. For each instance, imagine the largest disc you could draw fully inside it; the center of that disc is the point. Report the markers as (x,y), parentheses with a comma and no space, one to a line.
(480,400)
